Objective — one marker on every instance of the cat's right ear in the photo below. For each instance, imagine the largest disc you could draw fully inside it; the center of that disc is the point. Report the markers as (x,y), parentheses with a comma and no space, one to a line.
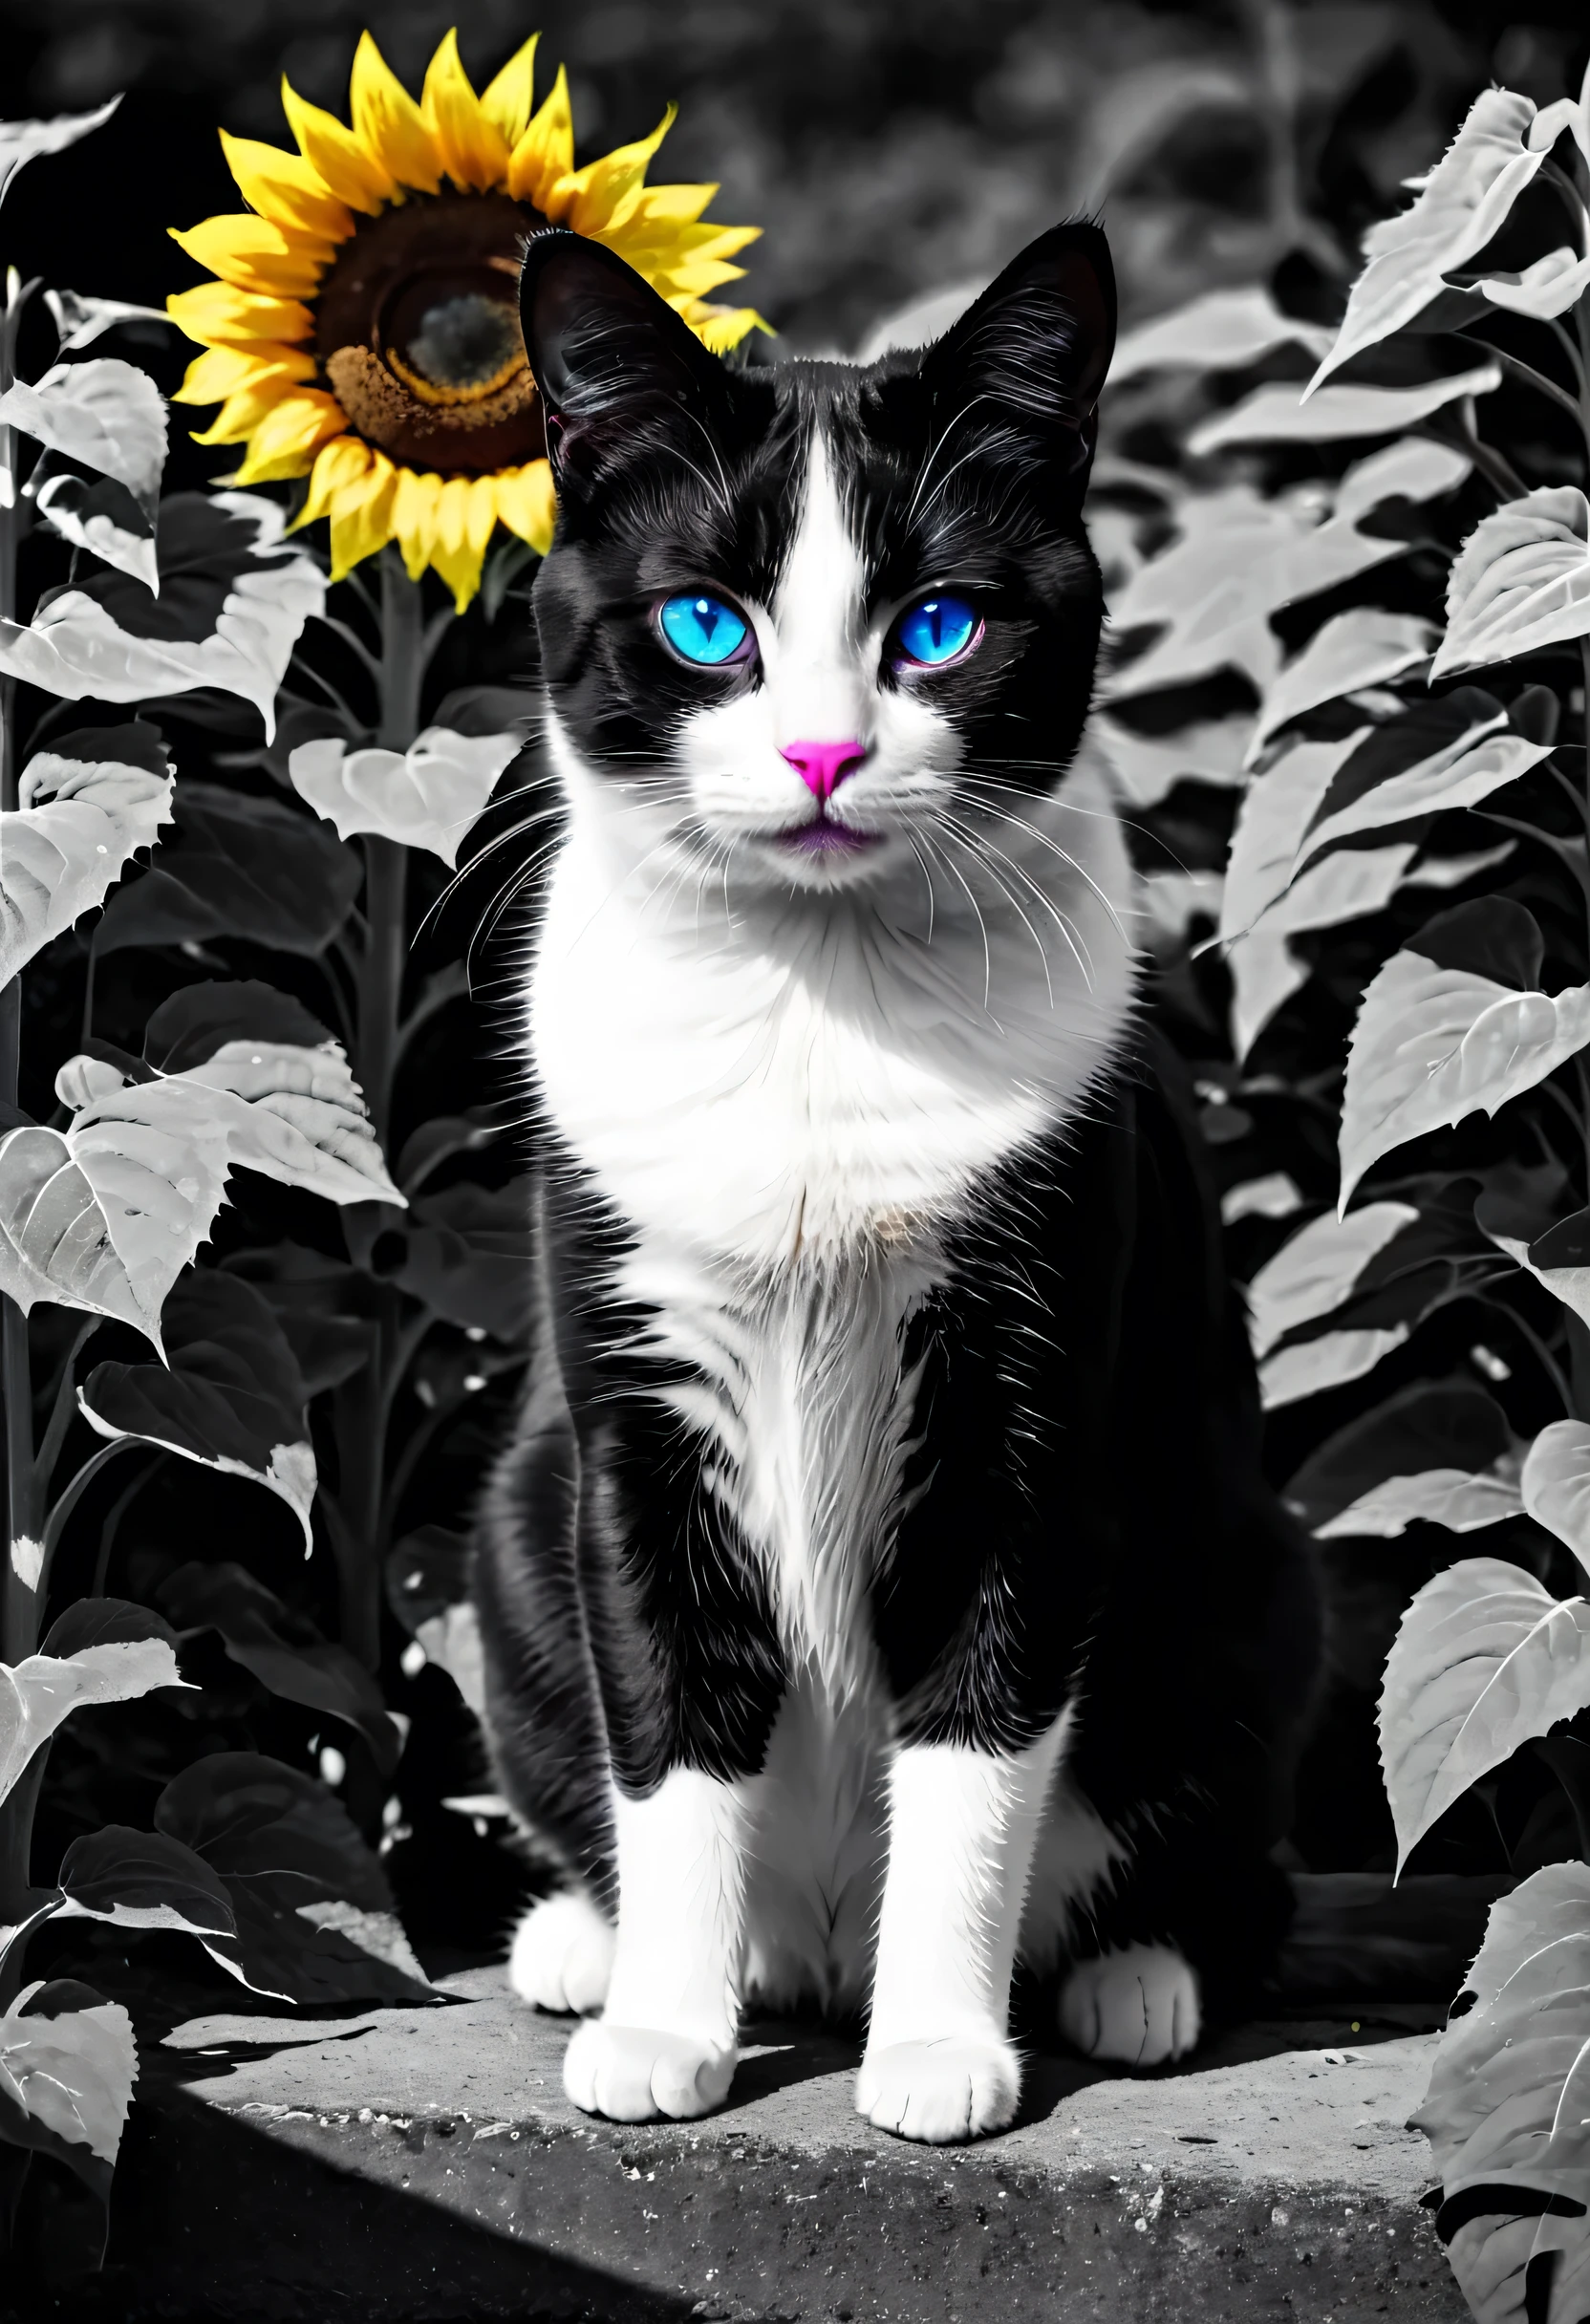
(616,369)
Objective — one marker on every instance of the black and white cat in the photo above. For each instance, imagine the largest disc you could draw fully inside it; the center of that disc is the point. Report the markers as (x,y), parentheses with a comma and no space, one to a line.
(880,1590)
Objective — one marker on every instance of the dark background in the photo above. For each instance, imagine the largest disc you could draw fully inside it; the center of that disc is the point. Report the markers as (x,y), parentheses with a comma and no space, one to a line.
(887,149)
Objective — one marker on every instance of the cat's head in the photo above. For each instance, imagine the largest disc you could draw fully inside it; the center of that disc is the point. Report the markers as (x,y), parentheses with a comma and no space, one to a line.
(805,621)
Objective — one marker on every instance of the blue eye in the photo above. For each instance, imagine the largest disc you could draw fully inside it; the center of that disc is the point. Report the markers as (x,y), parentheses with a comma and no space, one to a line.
(701,628)
(937,630)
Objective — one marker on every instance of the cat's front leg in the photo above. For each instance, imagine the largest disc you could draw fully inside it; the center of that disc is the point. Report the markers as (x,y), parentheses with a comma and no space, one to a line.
(666,2043)
(939,2065)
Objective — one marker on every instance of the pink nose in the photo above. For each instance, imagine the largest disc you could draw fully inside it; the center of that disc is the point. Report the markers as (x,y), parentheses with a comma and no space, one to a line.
(823,766)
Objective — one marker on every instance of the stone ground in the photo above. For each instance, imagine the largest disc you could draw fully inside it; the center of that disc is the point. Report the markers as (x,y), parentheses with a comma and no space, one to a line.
(423,2164)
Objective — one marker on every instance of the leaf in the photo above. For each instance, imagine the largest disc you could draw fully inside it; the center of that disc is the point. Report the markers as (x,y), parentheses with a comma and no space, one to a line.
(1441,1453)
(1508,2109)
(1278,414)
(1396,777)
(1485,1659)
(1148,767)
(427,1586)
(1218,330)
(143,1880)
(241,867)
(1341,887)
(467,1256)
(1275,1196)
(282,1649)
(1436,1041)
(232,606)
(1328,1361)
(1556,1484)
(105,1215)
(110,1653)
(66,2079)
(430,796)
(104,518)
(286,1850)
(1462,204)
(81,318)
(86,806)
(1275,813)
(106,414)
(1543,291)
(1361,647)
(198,1020)
(1416,469)
(1521,581)
(23,141)
(1238,560)
(1316,1269)
(233,1398)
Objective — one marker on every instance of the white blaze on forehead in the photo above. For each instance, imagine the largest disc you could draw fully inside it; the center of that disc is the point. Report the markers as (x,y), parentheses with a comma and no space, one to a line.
(816,663)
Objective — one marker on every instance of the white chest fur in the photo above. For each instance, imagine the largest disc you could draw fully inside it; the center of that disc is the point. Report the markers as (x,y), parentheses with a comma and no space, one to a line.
(788,1102)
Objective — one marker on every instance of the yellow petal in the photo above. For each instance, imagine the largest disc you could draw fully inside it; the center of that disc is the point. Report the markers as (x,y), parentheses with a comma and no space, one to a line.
(673,205)
(545,151)
(528,504)
(361,516)
(285,189)
(508,101)
(246,408)
(252,254)
(216,314)
(414,518)
(456,556)
(389,124)
(220,372)
(595,196)
(473,150)
(720,328)
(337,465)
(286,439)
(337,156)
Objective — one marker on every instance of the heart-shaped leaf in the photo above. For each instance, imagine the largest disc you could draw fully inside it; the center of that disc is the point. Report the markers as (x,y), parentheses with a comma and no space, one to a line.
(1508,2109)
(198,1020)
(1463,203)
(1315,1269)
(87,804)
(106,1215)
(1556,1484)
(1521,581)
(107,414)
(316,1919)
(110,1653)
(1275,813)
(143,1880)
(232,606)
(1484,1660)
(66,2077)
(1344,886)
(1435,1043)
(241,868)
(232,1398)
(429,796)
(283,1650)
(1280,414)
(1390,779)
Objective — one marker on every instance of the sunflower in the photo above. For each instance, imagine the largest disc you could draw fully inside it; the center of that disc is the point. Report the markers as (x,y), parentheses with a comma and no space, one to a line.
(363,328)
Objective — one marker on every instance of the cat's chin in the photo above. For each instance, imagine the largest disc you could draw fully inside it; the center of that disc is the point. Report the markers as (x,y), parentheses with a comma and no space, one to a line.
(822,854)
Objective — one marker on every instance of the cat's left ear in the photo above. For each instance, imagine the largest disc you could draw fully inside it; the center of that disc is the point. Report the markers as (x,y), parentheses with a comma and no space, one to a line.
(617,370)
(1034,348)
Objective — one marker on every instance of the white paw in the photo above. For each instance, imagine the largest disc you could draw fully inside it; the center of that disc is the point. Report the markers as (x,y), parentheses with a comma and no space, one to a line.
(632,2073)
(1139,2005)
(939,2091)
(562,1956)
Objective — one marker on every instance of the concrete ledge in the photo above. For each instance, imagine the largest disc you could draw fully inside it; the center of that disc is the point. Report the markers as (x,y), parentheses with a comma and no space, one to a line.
(425,2165)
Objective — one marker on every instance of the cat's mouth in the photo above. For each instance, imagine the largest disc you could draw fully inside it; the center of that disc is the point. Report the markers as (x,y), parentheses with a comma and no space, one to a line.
(823,836)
